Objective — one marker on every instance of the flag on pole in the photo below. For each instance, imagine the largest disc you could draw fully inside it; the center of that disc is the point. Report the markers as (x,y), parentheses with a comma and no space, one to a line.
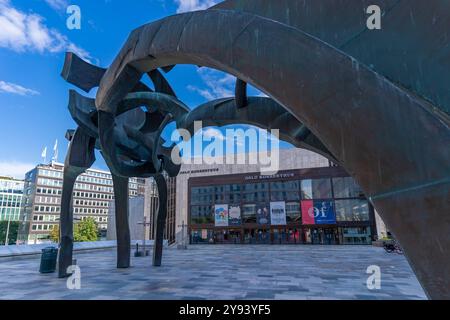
(55,151)
(44,154)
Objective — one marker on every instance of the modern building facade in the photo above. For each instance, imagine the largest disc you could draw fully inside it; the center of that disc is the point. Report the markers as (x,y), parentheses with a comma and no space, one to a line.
(11,191)
(42,199)
(309,201)
(144,209)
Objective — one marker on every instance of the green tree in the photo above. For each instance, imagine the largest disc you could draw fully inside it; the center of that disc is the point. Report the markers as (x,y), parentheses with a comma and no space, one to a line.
(54,234)
(85,230)
(13,229)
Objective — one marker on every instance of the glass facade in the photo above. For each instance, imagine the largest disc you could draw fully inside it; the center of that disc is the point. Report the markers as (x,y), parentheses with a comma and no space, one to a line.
(301,210)
(11,193)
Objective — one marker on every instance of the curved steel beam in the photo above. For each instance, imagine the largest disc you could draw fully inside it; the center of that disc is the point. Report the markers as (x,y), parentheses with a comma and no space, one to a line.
(411,49)
(260,112)
(394,144)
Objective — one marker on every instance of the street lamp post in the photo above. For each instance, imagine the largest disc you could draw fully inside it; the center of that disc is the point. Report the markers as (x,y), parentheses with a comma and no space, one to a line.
(144,224)
(7,230)
(183,239)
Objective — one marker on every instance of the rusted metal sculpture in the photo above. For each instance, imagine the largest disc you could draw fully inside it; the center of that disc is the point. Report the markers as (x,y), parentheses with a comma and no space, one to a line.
(134,146)
(377,102)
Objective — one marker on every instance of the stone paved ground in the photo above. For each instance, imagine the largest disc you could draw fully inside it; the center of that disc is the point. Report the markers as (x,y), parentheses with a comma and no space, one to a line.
(222,272)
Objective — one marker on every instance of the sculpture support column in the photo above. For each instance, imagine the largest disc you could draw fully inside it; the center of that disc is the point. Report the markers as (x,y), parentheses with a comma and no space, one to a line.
(80,157)
(122,224)
(66,221)
(160,224)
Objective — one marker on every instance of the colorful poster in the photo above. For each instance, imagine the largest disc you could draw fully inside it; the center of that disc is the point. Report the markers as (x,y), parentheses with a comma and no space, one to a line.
(318,212)
(278,213)
(262,215)
(221,215)
(234,216)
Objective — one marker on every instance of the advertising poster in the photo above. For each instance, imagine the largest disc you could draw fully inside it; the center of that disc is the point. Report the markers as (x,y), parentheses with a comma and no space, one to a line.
(318,212)
(262,214)
(234,216)
(278,213)
(221,215)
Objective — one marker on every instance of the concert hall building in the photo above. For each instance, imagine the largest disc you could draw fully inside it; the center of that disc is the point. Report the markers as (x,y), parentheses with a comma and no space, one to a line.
(309,201)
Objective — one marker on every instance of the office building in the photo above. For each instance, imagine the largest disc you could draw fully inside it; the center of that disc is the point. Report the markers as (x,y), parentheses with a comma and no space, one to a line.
(92,194)
(11,191)
(309,201)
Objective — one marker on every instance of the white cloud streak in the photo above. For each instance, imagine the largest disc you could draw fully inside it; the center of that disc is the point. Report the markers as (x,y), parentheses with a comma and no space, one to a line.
(16,89)
(15,169)
(58,5)
(23,32)
(219,84)
(194,5)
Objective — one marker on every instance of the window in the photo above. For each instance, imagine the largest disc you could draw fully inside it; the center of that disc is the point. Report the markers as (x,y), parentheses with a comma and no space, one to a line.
(249,213)
(201,214)
(293,213)
(346,187)
(316,189)
(352,210)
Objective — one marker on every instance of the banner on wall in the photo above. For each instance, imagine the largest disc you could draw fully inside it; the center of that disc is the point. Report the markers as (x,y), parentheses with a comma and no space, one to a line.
(318,212)
(221,215)
(234,216)
(278,213)
(262,215)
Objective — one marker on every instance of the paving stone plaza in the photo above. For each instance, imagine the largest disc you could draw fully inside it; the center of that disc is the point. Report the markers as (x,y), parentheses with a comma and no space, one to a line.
(222,272)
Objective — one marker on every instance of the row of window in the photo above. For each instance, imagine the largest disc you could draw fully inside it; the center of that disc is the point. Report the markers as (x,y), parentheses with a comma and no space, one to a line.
(92,187)
(81,194)
(90,203)
(346,211)
(42,227)
(295,190)
(84,178)
(52,200)
(47,209)
(8,186)
(10,200)
(48,191)
(9,214)
(51,173)
(50,182)
(45,217)
(90,210)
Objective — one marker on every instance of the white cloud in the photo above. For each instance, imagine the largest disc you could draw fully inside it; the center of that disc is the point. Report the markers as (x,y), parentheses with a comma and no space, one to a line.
(14,168)
(219,84)
(16,89)
(194,5)
(22,32)
(58,4)
(210,133)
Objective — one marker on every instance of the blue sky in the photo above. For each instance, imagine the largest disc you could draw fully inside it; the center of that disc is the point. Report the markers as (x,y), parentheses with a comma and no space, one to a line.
(33,96)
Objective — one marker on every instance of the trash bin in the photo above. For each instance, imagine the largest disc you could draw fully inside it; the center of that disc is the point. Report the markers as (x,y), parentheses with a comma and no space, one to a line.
(48,260)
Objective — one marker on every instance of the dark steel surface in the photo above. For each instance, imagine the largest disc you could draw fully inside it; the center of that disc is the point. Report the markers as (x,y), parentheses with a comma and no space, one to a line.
(376,101)
(392,141)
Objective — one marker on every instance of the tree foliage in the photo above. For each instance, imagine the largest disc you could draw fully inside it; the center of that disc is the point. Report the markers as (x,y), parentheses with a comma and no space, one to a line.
(54,234)
(85,230)
(13,229)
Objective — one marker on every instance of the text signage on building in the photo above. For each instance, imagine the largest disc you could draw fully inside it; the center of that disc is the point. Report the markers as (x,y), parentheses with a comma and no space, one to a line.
(278,213)
(275,176)
(234,216)
(221,215)
(318,212)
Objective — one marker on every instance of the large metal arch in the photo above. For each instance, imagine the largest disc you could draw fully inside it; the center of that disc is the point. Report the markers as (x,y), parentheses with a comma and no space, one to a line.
(394,144)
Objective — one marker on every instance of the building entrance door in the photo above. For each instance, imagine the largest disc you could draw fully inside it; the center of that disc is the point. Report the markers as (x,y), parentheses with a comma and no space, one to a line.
(316,235)
(262,236)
